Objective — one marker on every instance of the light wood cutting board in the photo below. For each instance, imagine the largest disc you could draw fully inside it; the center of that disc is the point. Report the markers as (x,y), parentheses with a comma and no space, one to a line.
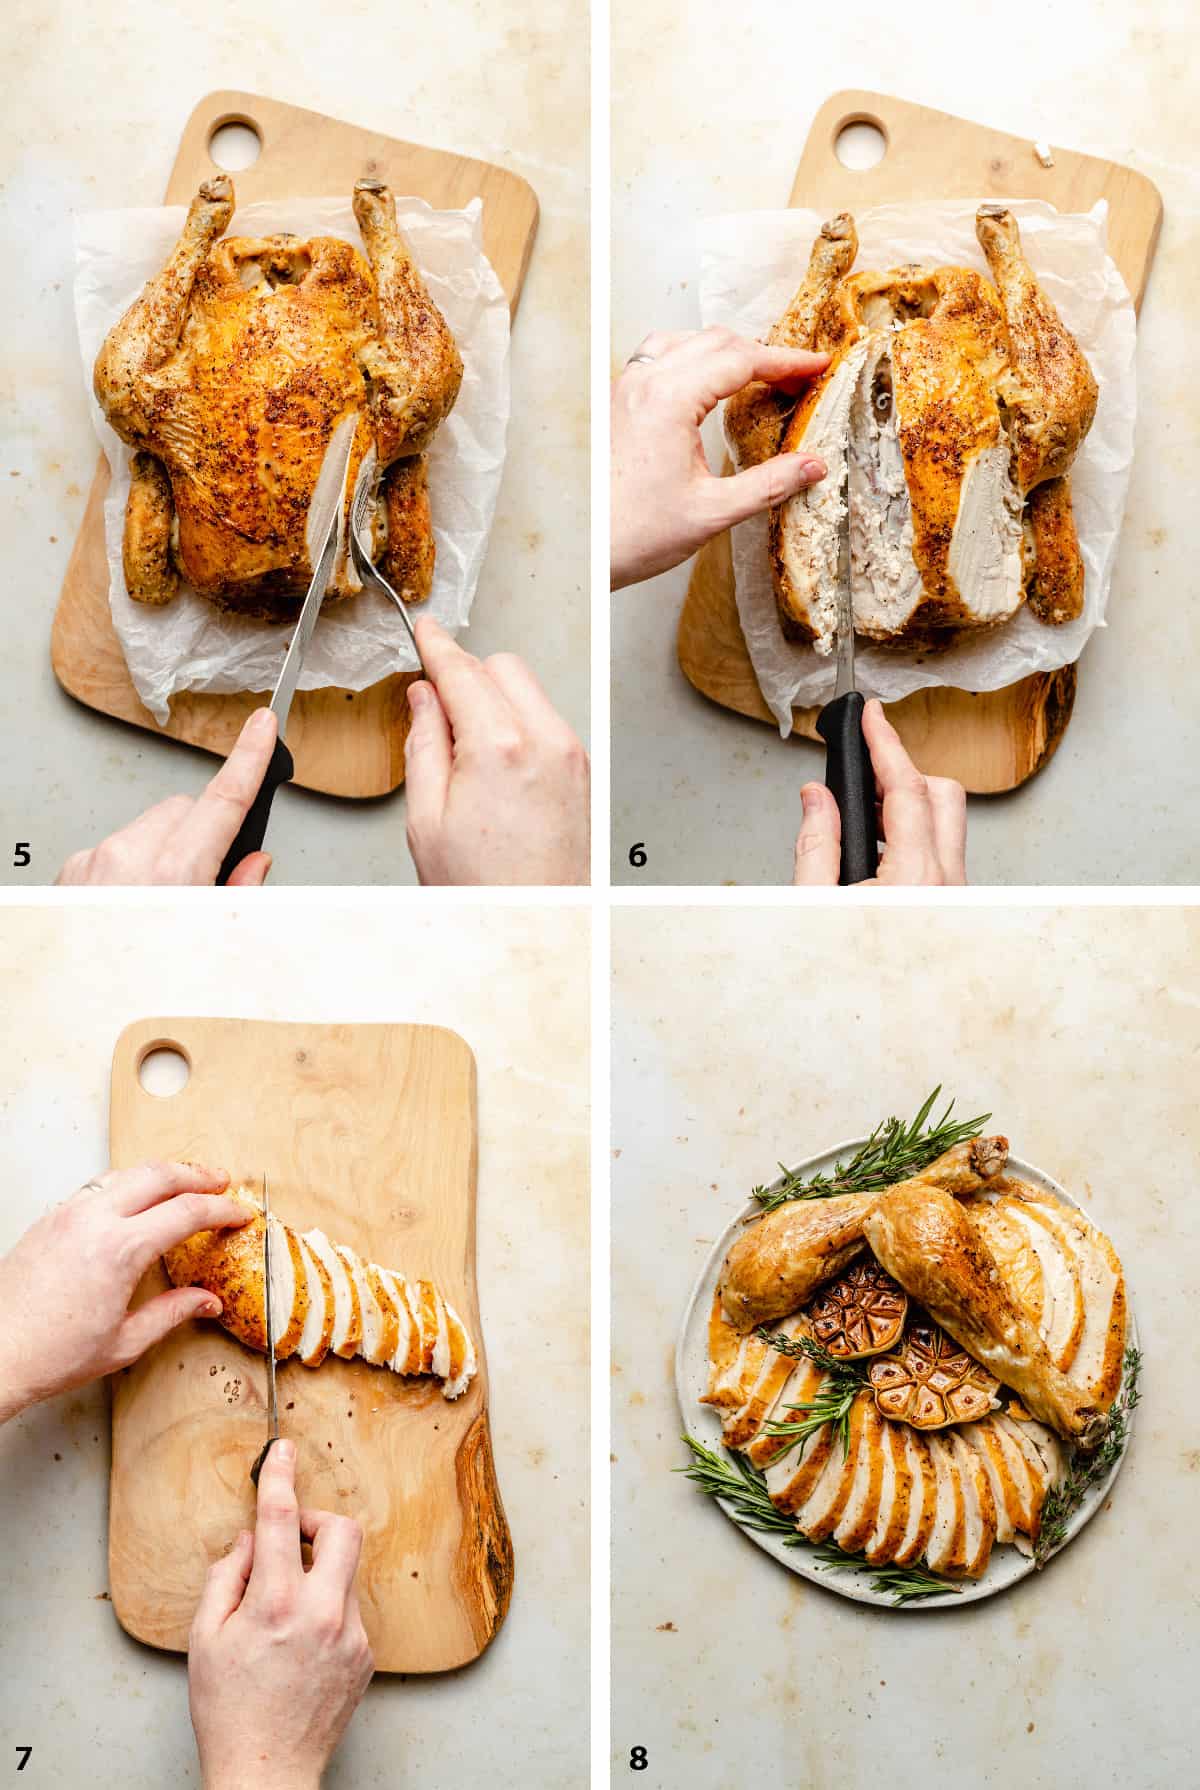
(995,740)
(369,1132)
(344,743)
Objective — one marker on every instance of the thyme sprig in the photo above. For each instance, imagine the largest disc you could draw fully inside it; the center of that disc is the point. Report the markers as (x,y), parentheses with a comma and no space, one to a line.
(740,1485)
(893,1152)
(832,1401)
(1085,1471)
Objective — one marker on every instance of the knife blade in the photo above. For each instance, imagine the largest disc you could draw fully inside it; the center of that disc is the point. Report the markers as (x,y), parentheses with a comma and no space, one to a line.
(268,1304)
(848,770)
(324,537)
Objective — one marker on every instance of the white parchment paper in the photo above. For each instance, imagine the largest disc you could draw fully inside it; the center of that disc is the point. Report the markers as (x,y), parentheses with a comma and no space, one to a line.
(751,263)
(188,644)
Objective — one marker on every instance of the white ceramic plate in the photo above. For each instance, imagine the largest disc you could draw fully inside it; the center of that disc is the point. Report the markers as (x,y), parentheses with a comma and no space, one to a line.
(1007,1563)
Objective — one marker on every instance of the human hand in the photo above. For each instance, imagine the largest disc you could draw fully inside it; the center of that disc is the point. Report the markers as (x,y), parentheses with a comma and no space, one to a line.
(65,1287)
(497,781)
(923,820)
(278,1659)
(665,501)
(184,839)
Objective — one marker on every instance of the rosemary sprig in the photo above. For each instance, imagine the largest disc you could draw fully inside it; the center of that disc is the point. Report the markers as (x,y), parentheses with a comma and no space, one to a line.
(893,1152)
(832,1401)
(906,1583)
(738,1483)
(1085,1471)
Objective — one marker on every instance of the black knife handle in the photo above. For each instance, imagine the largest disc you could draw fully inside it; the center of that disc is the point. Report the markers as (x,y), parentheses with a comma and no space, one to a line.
(257,1468)
(253,829)
(849,775)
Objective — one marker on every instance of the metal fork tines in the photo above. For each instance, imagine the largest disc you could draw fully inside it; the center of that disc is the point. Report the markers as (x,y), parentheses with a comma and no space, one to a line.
(364,565)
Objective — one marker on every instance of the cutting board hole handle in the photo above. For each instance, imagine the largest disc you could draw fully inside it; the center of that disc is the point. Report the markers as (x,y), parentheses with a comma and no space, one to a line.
(234,142)
(164,1069)
(860,142)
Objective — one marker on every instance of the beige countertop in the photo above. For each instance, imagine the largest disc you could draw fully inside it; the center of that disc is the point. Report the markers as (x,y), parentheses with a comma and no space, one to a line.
(741,1038)
(95,106)
(711,109)
(97,1707)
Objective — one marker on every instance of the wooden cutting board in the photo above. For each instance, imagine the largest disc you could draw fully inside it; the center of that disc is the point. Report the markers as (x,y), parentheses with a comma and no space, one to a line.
(369,1132)
(995,740)
(345,743)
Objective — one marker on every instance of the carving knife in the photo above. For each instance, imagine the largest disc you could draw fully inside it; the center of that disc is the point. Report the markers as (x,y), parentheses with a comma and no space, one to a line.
(324,534)
(360,549)
(848,771)
(272,1399)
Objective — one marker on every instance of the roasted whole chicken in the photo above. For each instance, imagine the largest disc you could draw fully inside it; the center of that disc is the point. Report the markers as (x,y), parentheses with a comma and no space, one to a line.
(1008,1291)
(228,376)
(325,1299)
(951,412)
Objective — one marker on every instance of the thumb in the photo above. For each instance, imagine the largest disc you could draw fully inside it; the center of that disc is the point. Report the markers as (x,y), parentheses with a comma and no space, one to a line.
(428,759)
(761,487)
(252,872)
(819,842)
(142,1328)
(224,1587)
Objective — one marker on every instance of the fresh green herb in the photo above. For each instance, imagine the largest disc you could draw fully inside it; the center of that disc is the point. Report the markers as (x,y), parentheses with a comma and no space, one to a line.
(905,1583)
(892,1153)
(1085,1471)
(740,1485)
(834,1397)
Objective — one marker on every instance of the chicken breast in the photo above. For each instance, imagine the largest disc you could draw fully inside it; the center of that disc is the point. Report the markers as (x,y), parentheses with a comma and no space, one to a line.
(325,1297)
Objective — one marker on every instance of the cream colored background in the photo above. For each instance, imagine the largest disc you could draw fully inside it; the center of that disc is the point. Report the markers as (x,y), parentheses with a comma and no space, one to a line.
(743,1037)
(99,1708)
(711,107)
(95,99)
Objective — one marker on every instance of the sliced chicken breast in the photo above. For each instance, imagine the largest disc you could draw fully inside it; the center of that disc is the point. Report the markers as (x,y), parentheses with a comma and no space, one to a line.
(822,1511)
(861,1512)
(742,1425)
(979,1507)
(390,1319)
(923,1500)
(407,1359)
(371,1316)
(289,1289)
(946,1551)
(347,1321)
(1099,1359)
(317,1334)
(1011,1508)
(798,1389)
(463,1363)
(895,1494)
(1060,1268)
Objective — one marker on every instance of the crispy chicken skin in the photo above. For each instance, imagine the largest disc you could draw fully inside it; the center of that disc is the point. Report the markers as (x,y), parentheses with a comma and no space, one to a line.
(1054,564)
(230,372)
(782,1258)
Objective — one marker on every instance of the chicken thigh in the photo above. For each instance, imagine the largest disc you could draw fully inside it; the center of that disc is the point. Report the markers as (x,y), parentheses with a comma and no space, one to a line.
(781,1259)
(228,376)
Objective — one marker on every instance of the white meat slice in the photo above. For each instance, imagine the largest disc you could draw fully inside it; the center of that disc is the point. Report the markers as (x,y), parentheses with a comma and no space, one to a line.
(885,583)
(861,1511)
(895,1493)
(1011,1508)
(1045,1457)
(798,1389)
(809,524)
(822,1511)
(985,559)
(743,1425)
(1062,1326)
(371,1342)
(923,1502)
(407,1359)
(289,1289)
(946,1551)
(347,1322)
(726,1355)
(1100,1355)
(463,1365)
(979,1507)
(318,1323)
